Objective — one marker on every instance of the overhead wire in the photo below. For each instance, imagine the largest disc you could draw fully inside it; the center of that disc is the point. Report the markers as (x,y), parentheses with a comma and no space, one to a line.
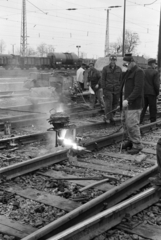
(88,22)
(94,23)
(143,5)
(133,22)
(37,7)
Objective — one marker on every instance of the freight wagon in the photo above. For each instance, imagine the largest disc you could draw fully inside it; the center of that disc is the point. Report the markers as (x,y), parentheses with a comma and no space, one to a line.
(53,60)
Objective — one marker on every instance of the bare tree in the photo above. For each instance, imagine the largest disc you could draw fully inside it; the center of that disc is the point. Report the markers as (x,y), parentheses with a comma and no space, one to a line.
(50,48)
(30,51)
(131,42)
(2,46)
(115,47)
(42,49)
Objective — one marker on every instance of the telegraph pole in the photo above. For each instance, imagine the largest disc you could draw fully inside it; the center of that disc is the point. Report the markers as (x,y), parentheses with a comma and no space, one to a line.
(123,38)
(106,51)
(23,41)
(159,47)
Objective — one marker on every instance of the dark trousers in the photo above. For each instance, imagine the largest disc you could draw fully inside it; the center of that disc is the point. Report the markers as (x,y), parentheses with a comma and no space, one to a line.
(159,154)
(151,101)
(98,95)
(81,85)
(111,102)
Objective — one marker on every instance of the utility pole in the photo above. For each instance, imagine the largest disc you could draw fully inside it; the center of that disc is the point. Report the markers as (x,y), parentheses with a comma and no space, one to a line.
(106,51)
(23,41)
(123,38)
(13,48)
(107,42)
(159,47)
(78,49)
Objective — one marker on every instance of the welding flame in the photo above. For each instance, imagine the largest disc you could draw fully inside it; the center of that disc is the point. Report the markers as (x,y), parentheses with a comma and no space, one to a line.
(67,141)
(70,143)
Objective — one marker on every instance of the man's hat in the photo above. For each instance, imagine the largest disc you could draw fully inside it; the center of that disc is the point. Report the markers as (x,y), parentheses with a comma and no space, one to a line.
(91,63)
(128,57)
(113,57)
(151,60)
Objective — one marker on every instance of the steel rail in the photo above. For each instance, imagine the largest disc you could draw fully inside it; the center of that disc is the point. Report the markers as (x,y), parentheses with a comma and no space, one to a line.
(19,122)
(30,107)
(32,117)
(19,169)
(95,206)
(37,120)
(46,134)
(36,163)
(109,218)
(106,200)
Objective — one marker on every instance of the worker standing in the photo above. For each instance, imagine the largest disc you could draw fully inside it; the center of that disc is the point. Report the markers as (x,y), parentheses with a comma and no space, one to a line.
(93,80)
(131,100)
(111,78)
(80,76)
(151,90)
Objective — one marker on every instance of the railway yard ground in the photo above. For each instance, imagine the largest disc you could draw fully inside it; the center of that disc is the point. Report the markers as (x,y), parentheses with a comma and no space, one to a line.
(52,191)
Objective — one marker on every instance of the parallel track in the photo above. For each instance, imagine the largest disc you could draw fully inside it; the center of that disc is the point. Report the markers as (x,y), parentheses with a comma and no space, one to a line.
(111,197)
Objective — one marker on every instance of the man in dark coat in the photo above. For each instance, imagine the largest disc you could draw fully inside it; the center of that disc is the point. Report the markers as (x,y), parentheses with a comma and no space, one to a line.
(151,90)
(93,80)
(131,100)
(111,78)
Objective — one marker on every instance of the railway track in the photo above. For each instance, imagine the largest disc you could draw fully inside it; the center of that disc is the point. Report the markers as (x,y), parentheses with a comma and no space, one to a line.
(86,192)
(119,183)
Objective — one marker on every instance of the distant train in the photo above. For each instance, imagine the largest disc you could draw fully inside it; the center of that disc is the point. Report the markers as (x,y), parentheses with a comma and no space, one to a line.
(53,60)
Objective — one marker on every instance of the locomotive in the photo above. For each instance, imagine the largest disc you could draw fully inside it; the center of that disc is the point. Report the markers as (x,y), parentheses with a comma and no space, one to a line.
(53,60)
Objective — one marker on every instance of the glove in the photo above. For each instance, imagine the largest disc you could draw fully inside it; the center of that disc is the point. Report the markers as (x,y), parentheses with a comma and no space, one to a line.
(125,103)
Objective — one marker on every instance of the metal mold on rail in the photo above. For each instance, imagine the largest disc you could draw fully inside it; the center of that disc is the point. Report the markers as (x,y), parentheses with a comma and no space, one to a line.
(65,133)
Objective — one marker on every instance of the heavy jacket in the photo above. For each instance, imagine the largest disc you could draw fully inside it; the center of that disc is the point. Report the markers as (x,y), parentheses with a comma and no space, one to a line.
(152,83)
(111,79)
(93,77)
(132,87)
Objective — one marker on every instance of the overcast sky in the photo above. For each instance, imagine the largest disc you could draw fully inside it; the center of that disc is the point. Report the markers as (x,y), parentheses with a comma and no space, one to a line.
(49,21)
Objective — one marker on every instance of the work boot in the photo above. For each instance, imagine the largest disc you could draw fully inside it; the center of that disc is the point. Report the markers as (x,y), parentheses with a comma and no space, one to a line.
(133,151)
(155,180)
(127,145)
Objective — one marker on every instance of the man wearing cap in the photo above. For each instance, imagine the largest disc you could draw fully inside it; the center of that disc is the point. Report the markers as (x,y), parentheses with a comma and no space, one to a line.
(111,78)
(93,80)
(151,90)
(131,102)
